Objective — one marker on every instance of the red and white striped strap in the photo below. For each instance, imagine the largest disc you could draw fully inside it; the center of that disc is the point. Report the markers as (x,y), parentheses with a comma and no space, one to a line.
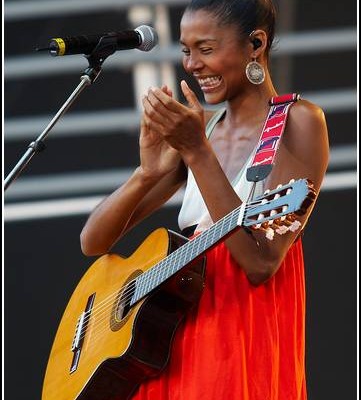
(269,141)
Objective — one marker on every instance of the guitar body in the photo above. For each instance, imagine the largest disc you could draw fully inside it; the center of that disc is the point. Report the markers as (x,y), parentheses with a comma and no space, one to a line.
(120,347)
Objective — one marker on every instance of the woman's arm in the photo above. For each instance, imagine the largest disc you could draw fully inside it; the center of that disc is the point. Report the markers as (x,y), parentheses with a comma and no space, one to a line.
(125,207)
(160,174)
(302,154)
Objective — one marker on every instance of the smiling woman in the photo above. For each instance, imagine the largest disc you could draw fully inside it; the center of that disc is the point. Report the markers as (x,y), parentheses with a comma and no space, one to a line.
(245,340)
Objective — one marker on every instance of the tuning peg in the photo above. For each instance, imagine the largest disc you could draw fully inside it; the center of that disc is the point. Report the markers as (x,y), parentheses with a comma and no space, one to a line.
(264,227)
(283,224)
(279,227)
(287,223)
(282,229)
(270,233)
(286,220)
(295,226)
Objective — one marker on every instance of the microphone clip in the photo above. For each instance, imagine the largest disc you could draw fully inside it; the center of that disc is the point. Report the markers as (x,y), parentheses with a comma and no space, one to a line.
(106,46)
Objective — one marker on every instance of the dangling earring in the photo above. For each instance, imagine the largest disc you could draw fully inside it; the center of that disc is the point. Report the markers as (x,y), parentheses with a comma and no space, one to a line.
(255,72)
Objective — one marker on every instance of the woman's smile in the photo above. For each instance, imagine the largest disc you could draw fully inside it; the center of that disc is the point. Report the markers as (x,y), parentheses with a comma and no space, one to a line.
(209,84)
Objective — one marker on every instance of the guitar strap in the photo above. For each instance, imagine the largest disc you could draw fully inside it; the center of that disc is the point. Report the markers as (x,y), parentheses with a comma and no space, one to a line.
(269,141)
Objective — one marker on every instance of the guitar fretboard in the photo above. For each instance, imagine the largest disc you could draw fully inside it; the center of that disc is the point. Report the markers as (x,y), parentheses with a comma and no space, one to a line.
(185,254)
(256,212)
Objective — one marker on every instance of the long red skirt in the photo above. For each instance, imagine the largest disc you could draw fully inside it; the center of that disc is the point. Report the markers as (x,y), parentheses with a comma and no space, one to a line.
(241,342)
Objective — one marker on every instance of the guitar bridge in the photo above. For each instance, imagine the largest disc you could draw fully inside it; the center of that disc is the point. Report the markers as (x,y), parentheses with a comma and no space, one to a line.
(80,331)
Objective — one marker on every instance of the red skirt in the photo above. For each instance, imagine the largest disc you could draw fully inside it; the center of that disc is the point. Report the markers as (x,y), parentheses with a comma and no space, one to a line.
(241,342)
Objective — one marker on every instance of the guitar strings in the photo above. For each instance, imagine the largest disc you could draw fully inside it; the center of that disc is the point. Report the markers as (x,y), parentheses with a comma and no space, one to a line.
(134,280)
(102,327)
(188,244)
(174,260)
(101,323)
(100,312)
(129,292)
(106,327)
(103,305)
(126,295)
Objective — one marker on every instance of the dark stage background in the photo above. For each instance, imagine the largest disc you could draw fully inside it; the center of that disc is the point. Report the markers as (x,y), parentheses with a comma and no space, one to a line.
(96,148)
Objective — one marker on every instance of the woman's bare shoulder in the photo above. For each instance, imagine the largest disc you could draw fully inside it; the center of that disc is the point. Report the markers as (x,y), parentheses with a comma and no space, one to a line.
(307,123)
(305,113)
(305,143)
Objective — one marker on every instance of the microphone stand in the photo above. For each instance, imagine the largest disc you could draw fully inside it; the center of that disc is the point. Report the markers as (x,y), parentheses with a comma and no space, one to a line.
(107,46)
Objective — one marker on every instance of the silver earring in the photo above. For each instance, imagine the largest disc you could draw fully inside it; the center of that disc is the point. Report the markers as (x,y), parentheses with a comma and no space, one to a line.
(255,72)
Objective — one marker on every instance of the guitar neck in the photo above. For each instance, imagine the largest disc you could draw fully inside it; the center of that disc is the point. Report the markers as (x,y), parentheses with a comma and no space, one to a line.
(185,254)
(296,196)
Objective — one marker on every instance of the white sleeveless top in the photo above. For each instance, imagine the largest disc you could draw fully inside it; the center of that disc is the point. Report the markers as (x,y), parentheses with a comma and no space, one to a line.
(194,210)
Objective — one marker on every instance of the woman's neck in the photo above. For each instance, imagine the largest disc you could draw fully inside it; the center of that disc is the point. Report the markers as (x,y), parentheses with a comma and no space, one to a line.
(251,105)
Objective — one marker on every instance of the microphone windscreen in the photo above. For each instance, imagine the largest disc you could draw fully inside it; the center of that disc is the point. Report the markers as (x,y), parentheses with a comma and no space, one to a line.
(149,37)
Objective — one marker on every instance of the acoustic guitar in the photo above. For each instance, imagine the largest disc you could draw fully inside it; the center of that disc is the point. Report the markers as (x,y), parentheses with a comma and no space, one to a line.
(118,326)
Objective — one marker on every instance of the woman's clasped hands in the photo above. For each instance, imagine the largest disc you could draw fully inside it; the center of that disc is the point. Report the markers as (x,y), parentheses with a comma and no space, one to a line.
(169,126)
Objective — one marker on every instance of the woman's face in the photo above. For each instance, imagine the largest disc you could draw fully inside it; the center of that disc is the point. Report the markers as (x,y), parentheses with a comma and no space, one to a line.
(214,55)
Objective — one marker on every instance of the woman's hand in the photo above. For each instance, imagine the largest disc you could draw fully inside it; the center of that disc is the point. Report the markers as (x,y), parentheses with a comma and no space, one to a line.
(157,157)
(182,127)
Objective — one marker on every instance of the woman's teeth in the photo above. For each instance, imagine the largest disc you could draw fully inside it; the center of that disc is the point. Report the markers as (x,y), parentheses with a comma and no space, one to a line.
(210,81)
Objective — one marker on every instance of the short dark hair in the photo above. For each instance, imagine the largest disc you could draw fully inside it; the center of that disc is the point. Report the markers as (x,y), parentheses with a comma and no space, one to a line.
(248,15)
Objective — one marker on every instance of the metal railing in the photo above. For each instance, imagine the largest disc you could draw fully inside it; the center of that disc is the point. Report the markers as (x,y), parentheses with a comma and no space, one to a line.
(81,206)
(24,67)
(127,120)
(105,181)
(18,10)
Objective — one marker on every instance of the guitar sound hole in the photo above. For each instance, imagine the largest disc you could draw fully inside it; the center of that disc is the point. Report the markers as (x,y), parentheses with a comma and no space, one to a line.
(123,306)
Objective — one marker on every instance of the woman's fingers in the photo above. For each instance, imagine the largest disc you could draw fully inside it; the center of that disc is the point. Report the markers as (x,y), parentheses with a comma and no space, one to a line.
(175,122)
(190,96)
(167,90)
(163,102)
(152,112)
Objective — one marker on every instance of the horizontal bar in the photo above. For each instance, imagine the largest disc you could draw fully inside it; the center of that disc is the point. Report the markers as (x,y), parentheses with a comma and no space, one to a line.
(340,181)
(17,10)
(75,124)
(81,206)
(342,156)
(308,42)
(108,180)
(67,184)
(61,208)
(127,120)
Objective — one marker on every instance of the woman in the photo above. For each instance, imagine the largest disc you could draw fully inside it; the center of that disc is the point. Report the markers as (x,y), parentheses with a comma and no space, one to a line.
(245,339)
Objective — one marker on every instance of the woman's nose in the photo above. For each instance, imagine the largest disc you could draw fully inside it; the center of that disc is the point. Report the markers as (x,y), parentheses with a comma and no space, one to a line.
(194,63)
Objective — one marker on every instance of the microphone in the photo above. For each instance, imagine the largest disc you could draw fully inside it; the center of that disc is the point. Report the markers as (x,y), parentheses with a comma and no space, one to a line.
(143,38)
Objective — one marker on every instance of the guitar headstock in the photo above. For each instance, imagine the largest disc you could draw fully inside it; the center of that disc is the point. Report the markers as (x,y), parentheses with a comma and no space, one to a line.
(277,210)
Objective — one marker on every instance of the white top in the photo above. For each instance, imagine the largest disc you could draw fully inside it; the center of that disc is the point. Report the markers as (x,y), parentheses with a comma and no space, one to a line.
(194,210)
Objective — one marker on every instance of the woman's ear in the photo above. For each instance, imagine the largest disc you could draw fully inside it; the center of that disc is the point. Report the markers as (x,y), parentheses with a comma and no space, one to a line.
(256,43)
(258,38)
